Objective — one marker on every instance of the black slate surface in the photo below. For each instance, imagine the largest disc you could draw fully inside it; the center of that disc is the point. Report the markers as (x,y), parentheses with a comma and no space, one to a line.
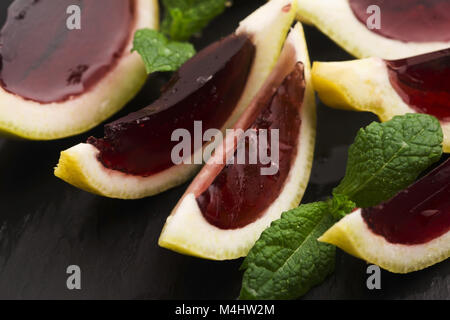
(47,225)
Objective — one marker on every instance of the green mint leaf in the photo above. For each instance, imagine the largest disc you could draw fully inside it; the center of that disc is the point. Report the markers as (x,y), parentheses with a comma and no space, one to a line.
(288,260)
(387,157)
(340,206)
(160,54)
(183,18)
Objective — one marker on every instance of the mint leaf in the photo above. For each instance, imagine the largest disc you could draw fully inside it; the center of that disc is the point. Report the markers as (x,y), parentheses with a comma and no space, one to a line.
(183,18)
(160,54)
(288,260)
(387,157)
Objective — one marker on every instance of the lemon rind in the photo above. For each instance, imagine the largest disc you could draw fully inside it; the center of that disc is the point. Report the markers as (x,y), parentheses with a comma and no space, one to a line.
(35,121)
(352,235)
(363,85)
(336,19)
(76,165)
(267,27)
(186,231)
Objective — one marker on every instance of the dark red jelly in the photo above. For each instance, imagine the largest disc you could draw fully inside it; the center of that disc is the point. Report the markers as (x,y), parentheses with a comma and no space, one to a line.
(240,193)
(423,82)
(206,88)
(44,61)
(408,20)
(416,215)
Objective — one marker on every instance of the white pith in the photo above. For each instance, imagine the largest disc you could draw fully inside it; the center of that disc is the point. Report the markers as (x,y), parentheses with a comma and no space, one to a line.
(267,28)
(353,236)
(115,184)
(188,232)
(365,83)
(335,18)
(36,121)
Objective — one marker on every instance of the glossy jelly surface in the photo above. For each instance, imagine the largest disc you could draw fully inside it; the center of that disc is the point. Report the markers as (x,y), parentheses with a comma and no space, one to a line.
(416,215)
(408,20)
(206,88)
(240,193)
(44,60)
(423,82)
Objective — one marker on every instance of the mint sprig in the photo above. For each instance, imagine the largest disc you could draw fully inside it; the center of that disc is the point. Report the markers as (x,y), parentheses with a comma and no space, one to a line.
(159,53)
(385,158)
(168,50)
(183,18)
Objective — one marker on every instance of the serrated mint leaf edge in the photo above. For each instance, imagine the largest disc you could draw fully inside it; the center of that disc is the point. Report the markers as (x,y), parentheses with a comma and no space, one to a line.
(345,187)
(315,232)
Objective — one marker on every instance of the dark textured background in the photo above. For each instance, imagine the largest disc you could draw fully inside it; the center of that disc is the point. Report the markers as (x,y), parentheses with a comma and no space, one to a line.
(46,225)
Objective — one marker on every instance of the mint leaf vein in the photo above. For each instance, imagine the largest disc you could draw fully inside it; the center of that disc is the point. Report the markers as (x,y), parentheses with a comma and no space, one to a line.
(288,260)
(387,157)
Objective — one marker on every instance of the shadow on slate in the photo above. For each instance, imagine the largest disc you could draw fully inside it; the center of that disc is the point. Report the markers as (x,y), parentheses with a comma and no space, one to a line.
(47,225)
